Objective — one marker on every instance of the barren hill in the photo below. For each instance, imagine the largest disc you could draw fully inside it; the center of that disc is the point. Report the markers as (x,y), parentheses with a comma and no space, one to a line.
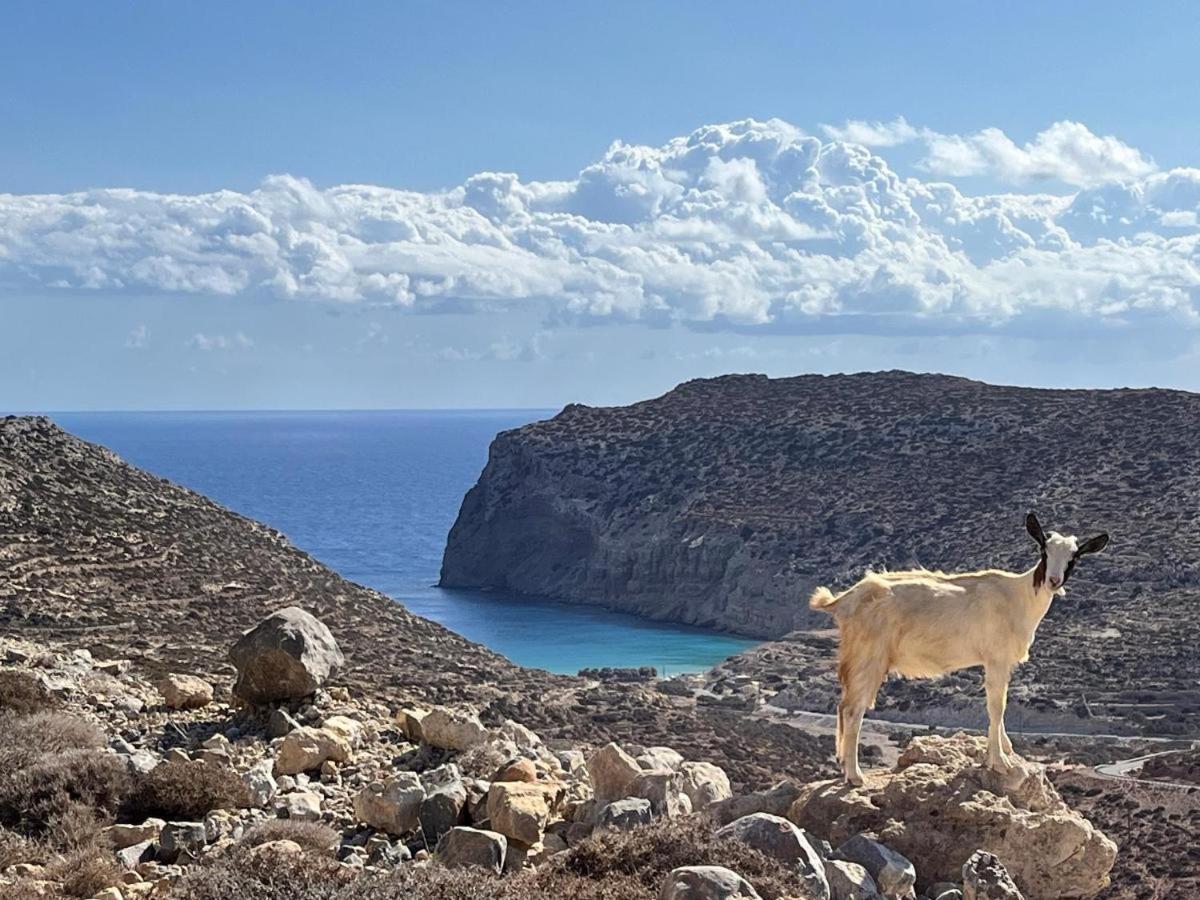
(725,501)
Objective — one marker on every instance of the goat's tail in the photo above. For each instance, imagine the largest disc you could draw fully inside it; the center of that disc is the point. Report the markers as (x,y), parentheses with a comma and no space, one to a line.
(869,587)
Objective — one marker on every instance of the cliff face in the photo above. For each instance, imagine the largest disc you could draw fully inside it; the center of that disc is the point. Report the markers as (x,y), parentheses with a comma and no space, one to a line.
(723,502)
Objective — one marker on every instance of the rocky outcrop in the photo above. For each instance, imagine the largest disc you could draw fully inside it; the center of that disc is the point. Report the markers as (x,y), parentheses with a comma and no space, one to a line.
(287,656)
(941,803)
(725,501)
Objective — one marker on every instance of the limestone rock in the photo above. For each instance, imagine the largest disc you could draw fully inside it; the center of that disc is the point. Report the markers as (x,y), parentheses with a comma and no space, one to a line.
(850,881)
(393,806)
(287,656)
(121,836)
(612,771)
(704,783)
(776,800)
(660,758)
(518,811)
(303,805)
(304,749)
(181,839)
(892,873)
(444,807)
(185,691)
(451,729)
(706,883)
(985,878)
(941,803)
(260,781)
(472,847)
(779,839)
(624,814)
(661,788)
(517,770)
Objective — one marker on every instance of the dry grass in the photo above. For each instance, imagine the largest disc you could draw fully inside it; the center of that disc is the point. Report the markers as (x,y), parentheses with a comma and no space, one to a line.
(242,875)
(61,789)
(314,837)
(85,872)
(185,790)
(22,693)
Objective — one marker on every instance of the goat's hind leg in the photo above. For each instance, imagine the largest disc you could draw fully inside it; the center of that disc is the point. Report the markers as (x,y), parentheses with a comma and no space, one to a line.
(859,697)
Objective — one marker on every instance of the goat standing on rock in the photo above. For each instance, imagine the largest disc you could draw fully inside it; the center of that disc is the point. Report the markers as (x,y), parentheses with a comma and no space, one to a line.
(922,624)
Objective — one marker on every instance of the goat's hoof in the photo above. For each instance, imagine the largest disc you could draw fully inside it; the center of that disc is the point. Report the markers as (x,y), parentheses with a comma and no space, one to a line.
(854,779)
(1001,764)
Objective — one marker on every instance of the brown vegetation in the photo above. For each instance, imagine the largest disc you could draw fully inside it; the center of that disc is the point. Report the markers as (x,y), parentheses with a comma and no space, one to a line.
(185,790)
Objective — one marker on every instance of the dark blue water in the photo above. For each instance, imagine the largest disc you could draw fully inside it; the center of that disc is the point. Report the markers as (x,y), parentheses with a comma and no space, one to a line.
(373,495)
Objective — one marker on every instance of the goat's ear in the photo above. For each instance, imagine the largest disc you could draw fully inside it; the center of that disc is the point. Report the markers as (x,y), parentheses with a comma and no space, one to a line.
(1093,545)
(1034,527)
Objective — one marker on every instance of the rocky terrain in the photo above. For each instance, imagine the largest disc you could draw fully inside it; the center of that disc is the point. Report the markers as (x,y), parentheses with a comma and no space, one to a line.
(724,502)
(153,744)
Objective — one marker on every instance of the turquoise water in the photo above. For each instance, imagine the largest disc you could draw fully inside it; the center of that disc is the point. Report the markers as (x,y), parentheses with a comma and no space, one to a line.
(373,495)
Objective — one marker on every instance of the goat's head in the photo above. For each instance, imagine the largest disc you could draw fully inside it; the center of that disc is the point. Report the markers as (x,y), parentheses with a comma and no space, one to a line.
(1060,552)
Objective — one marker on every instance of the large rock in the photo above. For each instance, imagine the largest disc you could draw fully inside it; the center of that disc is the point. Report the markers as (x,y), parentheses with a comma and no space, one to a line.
(184,691)
(661,788)
(304,749)
(704,783)
(472,847)
(624,814)
(942,803)
(892,872)
(260,781)
(985,878)
(393,806)
(287,656)
(181,841)
(706,883)
(776,800)
(660,758)
(850,881)
(452,729)
(612,772)
(518,811)
(779,839)
(444,807)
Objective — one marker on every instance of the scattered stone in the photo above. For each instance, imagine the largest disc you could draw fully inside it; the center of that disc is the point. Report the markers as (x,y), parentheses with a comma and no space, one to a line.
(704,784)
(261,782)
(121,836)
(945,890)
(303,805)
(660,787)
(287,656)
(450,729)
(624,814)
(779,839)
(517,770)
(985,878)
(185,691)
(893,874)
(282,847)
(706,883)
(444,807)
(612,771)
(850,881)
(129,857)
(660,758)
(408,720)
(304,750)
(776,801)
(181,839)
(393,806)
(518,811)
(280,723)
(466,847)
(350,730)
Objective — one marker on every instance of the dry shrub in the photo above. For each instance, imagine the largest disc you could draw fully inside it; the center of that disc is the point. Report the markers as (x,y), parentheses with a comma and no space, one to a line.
(85,872)
(16,848)
(185,790)
(437,883)
(23,738)
(649,853)
(239,874)
(62,787)
(314,837)
(482,760)
(23,693)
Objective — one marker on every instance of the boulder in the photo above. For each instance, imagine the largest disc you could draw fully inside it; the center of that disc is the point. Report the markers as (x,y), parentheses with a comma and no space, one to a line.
(517,770)
(661,788)
(706,883)
(518,811)
(850,881)
(611,771)
(779,839)
(451,729)
(302,805)
(260,782)
(393,806)
(941,803)
(472,847)
(287,656)
(892,873)
(304,749)
(350,730)
(776,801)
(121,836)
(704,783)
(524,738)
(945,890)
(624,814)
(408,720)
(444,807)
(185,691)
(985,878)
(181,839)
(659,758)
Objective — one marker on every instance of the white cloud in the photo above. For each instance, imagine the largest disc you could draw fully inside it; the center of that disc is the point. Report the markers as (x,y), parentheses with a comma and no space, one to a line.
(138,338)
(208,343)
(749,226)
(873,134)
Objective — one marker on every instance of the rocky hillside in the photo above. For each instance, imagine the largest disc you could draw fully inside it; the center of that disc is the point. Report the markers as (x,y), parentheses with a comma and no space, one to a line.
(724,502)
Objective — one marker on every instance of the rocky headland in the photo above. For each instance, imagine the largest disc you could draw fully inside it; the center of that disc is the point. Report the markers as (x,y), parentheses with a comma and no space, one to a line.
(725,501)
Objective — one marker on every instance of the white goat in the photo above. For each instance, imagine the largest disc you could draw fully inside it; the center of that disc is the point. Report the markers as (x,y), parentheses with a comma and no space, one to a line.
(921,624)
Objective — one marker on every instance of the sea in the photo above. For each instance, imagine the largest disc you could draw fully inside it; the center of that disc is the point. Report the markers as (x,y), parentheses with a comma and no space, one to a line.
(372,494)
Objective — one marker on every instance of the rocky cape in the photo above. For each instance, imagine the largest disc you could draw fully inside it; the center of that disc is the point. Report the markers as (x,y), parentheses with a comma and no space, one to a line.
(725,501)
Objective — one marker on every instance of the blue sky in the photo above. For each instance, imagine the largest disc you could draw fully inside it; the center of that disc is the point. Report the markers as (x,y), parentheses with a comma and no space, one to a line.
(1005,191)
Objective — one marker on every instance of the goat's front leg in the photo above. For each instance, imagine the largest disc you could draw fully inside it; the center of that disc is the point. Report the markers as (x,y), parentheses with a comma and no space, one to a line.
(995,681)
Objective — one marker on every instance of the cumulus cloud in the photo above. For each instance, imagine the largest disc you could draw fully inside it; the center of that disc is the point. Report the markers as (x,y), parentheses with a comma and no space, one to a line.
(874,134)
(750,226)
(209,343)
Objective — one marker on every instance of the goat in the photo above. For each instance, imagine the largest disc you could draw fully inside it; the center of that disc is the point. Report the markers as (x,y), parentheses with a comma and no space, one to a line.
(922,623)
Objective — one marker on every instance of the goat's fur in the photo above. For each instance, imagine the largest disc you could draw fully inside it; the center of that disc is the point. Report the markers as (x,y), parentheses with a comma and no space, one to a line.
(923,623)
